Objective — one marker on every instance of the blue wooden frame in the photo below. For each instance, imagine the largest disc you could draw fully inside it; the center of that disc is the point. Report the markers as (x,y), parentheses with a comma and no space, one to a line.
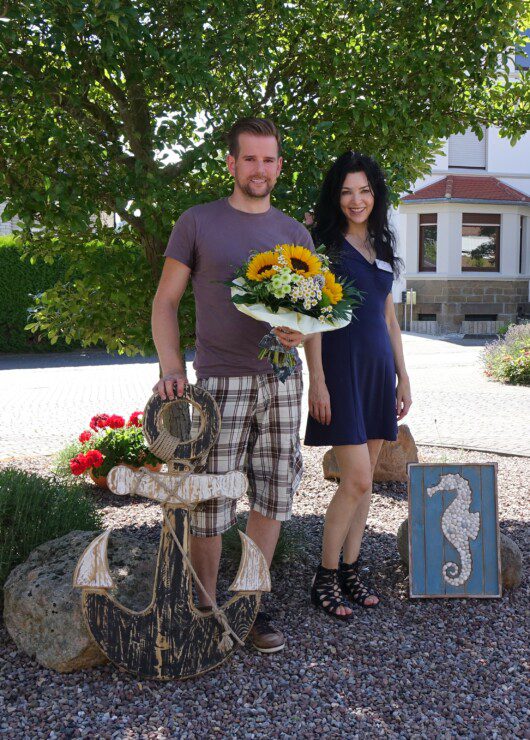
(454,547)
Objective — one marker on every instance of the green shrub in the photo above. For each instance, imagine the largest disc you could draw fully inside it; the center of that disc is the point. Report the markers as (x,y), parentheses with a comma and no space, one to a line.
(33,510)
(61,460)
(508,359)
(20,280)
(290,544)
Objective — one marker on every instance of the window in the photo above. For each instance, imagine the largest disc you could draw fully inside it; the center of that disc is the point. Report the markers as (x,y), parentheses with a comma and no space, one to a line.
(467,150)
(480,317)
(481,235)
(427,317)
(428,239)
(522,60)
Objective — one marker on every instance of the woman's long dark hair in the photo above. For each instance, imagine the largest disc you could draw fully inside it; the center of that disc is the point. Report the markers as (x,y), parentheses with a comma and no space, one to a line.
(331,223)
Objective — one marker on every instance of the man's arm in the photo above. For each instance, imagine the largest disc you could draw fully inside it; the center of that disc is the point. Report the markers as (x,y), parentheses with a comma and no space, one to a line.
(165,328)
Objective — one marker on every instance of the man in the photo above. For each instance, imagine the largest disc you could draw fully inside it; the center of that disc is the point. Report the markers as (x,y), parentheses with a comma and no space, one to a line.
(260,416)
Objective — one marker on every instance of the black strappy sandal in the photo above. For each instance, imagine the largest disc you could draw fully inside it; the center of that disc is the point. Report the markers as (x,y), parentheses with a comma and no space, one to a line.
(326,593)
(354,587)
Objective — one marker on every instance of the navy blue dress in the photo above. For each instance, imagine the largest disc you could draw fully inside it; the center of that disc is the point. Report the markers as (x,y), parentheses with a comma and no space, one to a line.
(359,363)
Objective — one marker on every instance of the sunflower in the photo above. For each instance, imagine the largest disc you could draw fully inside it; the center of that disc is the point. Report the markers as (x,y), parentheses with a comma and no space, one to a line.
(332,289)
(261,266)
(301,260)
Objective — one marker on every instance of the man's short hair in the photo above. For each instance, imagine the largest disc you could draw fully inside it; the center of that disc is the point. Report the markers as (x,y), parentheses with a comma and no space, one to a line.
(254,126)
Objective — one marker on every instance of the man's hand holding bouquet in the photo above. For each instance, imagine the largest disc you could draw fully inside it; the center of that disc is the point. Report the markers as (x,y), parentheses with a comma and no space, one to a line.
(292,288)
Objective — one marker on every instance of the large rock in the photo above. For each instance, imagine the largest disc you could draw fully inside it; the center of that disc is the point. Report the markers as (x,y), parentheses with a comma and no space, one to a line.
(511,563)
(394,457)
(402,541)
(511,556)
(42,611)
(392,461)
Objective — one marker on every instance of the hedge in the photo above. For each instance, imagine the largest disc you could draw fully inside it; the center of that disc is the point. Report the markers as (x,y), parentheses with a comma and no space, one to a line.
(19,280)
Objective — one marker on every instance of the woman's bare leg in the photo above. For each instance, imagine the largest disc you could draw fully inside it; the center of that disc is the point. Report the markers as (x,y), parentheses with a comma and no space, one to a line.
(352,542)
(355,482)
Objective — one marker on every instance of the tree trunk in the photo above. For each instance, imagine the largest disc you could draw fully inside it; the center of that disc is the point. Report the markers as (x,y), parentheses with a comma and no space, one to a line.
(154,249)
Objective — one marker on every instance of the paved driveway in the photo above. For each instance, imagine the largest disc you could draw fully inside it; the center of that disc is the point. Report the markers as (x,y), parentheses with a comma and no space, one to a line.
(47,400)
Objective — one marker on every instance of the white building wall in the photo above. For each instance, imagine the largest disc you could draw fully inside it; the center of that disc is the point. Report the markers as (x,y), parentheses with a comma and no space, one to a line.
(6,227)
(441,161)
(509,247)
(506,159)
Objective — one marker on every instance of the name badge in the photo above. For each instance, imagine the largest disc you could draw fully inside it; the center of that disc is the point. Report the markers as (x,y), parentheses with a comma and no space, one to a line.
(386,266)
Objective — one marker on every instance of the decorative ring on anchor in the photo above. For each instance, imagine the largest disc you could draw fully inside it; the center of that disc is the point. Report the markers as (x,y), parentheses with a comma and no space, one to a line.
(169,448)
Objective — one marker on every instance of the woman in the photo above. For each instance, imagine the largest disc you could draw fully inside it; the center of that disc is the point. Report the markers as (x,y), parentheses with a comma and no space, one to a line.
(354,401)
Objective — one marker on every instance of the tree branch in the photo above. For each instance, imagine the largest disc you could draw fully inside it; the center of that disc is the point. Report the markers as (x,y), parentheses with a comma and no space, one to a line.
(99,117)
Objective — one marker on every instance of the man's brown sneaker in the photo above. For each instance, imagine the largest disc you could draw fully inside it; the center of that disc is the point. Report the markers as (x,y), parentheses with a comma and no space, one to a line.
(265,637)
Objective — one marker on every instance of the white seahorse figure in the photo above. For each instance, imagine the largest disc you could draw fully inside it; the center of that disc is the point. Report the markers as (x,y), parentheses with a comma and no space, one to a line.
(459,525)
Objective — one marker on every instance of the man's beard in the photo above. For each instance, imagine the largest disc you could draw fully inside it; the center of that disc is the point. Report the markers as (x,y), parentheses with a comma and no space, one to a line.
(247,189)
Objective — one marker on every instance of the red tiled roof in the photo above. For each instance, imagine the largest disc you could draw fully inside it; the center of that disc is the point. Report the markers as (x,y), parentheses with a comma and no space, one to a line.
(468,187)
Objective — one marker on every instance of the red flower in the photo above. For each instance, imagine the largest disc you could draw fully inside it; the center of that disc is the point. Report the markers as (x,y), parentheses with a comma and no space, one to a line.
(99,421)
(135,420)
(85,436)
(115,421)
(94,458)
(79,464)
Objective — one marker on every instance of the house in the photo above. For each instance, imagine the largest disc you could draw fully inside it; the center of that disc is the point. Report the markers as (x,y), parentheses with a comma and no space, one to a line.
(467,239)
(464,234)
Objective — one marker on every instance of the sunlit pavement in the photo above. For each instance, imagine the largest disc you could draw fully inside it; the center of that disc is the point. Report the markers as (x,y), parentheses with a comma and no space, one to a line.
(46,400)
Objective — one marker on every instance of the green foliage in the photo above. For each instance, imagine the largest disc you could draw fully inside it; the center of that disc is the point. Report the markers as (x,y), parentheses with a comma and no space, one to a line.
(126,445)
(20,280)
(118,444)
(106,294)
(61,460)
(508,360)
(33,510)
(120,106)
(290,544)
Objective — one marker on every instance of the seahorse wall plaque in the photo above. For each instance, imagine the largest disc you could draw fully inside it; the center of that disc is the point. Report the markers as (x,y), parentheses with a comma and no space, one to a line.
(453,531)
(171,638)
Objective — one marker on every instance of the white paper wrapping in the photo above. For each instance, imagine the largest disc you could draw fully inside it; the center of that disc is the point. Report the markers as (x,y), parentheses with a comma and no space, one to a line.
(285,317)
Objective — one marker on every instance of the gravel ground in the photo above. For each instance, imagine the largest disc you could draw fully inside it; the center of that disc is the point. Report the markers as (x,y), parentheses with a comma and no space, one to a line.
(419,669)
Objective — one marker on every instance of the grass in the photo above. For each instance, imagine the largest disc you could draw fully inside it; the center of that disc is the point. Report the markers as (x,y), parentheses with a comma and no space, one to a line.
(35,509)
(291,544)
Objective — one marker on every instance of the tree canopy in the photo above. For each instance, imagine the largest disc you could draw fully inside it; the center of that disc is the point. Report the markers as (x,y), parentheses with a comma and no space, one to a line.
(120,106)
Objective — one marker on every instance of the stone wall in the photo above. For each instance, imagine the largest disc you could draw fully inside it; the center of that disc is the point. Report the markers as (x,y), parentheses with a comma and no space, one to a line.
(451,300)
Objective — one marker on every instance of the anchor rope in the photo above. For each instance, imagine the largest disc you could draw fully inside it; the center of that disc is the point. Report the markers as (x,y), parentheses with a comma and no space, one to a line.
(225,642)
(163,446)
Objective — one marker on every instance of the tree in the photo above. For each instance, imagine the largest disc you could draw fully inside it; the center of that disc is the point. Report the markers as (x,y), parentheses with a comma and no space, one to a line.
(120,106)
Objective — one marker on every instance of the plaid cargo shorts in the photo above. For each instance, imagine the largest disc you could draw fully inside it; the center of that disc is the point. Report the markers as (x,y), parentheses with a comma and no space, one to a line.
(260,422)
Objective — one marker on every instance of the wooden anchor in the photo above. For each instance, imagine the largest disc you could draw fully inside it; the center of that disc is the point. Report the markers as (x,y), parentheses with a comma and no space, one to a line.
(171,638)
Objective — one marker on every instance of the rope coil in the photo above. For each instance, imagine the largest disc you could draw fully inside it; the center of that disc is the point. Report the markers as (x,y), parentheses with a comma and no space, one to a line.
(163,446)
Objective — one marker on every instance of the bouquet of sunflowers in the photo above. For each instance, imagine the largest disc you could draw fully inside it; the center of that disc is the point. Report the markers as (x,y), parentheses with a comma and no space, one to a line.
(293,287)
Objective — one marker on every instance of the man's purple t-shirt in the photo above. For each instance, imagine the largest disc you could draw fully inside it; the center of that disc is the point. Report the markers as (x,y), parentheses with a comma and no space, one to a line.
(214,240)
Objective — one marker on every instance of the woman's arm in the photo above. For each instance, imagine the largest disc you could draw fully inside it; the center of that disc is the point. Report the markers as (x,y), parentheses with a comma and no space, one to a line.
(318,396)
(403,395)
